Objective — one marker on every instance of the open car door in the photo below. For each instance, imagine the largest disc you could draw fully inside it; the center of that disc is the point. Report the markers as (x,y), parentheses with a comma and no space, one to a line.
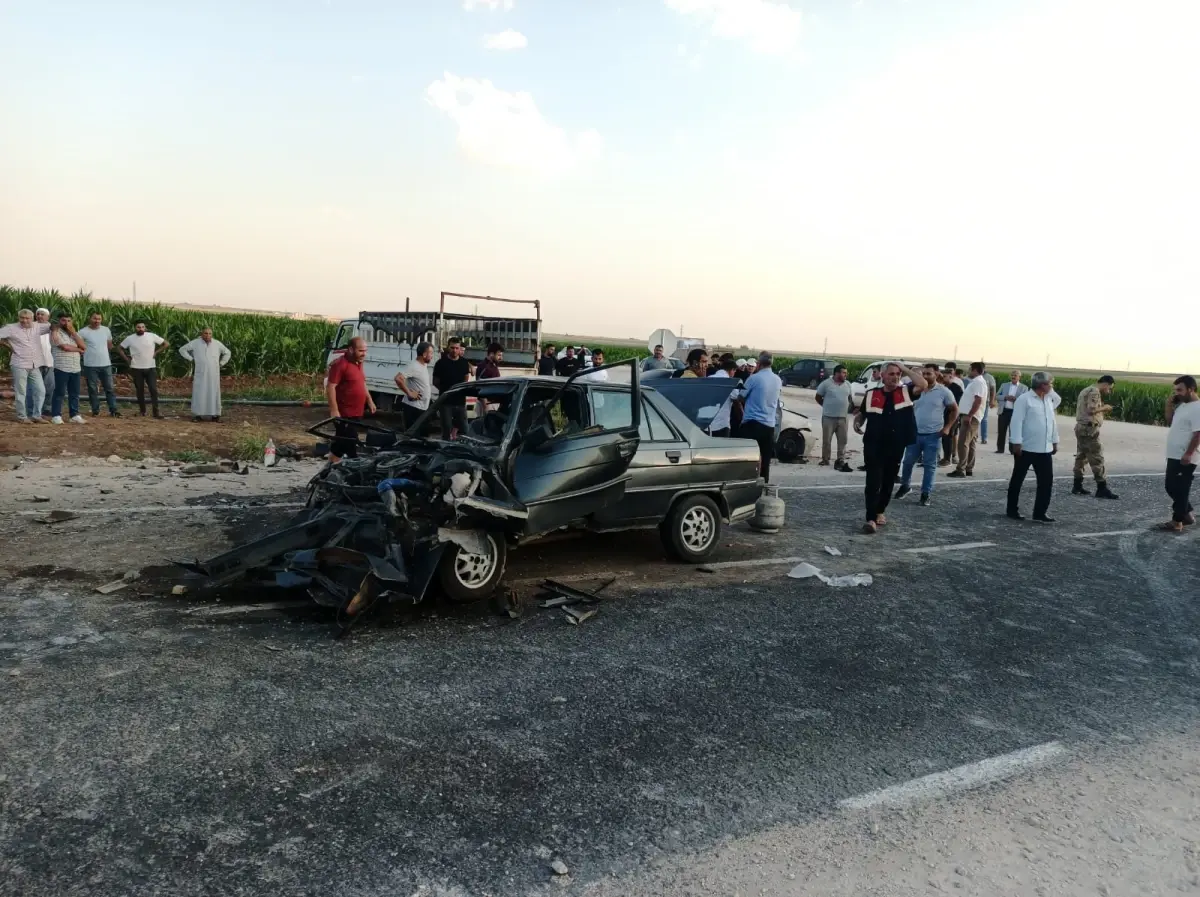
(572,462)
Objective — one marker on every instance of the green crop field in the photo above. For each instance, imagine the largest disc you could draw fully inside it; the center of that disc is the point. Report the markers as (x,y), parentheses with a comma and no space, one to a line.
(261,345)
(266,345)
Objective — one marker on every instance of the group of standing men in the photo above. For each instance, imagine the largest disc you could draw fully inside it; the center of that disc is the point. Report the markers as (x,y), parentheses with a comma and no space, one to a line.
(50,359)
(908,414)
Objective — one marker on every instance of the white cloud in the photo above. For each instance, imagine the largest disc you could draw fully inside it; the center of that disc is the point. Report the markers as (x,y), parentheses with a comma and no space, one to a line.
(507,129)
(506,40)
(769,27)
(488,4)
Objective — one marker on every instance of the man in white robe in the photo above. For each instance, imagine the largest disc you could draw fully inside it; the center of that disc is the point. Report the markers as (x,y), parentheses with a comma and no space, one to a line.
(209,356)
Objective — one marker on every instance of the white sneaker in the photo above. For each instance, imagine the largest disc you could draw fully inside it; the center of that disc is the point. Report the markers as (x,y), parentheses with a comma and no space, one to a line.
(78,420)
(57,419)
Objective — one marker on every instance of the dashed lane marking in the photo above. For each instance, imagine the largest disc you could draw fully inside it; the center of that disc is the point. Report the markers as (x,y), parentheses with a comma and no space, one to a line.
(758,562)
(962,546)
(942,481)
(961,778)
(1116,532)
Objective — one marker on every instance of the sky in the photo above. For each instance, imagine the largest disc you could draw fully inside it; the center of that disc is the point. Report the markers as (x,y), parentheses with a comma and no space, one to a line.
(1014,178)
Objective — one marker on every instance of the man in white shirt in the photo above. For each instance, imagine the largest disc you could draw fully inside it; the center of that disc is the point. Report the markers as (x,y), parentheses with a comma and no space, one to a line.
(597,361)
(97,364)
(722,424)
(46,368)
(971,406)
(1183,445)
(1033,435)
(142,357)
(416,382)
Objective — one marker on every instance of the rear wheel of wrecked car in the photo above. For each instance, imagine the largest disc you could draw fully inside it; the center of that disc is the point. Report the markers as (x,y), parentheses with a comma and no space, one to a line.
(692,529)
(790,445)
(466,576)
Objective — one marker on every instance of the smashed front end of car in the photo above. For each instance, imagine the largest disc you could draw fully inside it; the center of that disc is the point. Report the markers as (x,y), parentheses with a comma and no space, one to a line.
(376,528)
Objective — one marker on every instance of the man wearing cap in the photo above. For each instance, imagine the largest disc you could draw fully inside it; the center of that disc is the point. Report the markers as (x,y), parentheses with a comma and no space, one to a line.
(761,411)
(46,368)
(1089,416)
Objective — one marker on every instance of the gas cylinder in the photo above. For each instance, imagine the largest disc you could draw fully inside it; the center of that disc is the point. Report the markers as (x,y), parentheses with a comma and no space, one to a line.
(768,511)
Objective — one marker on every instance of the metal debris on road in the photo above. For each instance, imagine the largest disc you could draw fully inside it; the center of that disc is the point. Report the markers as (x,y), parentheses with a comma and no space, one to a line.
(58,517)
(829,549)
(115,586)
(40,498)
(575,616)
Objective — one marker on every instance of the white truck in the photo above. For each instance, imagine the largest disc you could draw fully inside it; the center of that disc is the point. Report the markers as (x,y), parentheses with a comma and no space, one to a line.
(392,338)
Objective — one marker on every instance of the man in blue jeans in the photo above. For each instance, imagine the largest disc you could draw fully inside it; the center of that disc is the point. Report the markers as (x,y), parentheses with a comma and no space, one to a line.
(97,364)
(932,424)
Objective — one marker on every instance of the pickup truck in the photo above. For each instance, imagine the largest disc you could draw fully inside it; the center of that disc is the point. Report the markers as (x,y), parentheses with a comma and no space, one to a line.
(392,338)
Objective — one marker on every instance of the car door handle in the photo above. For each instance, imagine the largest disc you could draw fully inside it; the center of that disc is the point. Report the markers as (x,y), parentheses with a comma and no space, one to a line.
(674,457)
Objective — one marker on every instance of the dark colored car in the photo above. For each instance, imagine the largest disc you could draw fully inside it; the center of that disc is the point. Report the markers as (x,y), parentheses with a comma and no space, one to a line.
(545,454)
(807,372)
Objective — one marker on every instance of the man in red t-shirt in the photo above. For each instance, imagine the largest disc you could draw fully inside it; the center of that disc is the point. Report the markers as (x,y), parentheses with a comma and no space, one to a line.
(348,398)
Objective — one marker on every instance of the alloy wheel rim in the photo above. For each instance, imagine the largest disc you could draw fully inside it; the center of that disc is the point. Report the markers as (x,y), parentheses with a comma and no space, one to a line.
(473,570)
(697,529)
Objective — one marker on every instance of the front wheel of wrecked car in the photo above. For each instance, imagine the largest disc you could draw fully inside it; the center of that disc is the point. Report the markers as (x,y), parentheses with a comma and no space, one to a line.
(693,529)
(466,576)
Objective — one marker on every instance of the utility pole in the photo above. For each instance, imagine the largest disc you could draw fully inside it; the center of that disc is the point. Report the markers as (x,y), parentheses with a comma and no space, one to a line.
(825,351)
(955,352)
(135,291)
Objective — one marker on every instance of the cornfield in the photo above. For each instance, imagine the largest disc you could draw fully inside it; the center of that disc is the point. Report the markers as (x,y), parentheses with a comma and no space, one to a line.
(1136,403)
(260,345)
(264,345)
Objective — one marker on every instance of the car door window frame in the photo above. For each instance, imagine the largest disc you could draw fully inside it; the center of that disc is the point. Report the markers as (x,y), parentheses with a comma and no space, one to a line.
(652,413)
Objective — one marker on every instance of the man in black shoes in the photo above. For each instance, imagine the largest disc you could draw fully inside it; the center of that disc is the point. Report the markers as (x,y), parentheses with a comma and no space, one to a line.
(1033,437)
(1089,416)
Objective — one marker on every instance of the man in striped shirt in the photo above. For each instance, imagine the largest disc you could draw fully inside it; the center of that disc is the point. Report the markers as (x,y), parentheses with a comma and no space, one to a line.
(24,340)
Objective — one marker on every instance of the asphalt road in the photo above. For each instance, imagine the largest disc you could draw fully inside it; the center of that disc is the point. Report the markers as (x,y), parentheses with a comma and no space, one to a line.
(146,750)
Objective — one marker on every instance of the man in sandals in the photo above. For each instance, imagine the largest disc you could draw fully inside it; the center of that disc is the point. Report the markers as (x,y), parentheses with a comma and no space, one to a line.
(887,415)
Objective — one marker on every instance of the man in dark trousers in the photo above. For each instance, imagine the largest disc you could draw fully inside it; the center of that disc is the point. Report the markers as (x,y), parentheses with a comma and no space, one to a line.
(451,370)
(887,415)
(348,398)
(1033,438)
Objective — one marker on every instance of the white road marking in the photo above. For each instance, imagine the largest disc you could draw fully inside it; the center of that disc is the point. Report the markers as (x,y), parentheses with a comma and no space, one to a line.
(942,481)
(961,778)
(962,546)
(1116,532)
(759,562)
(170,509)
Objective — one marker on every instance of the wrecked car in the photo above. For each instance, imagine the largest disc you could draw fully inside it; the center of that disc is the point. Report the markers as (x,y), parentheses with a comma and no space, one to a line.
(542,454)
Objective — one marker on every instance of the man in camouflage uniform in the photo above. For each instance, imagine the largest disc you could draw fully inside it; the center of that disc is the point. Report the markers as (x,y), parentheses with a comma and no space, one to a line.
(1089,416)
